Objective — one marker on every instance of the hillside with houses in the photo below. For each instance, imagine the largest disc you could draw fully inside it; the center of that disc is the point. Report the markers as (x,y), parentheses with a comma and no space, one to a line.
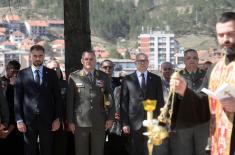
(18,35)
(119,34)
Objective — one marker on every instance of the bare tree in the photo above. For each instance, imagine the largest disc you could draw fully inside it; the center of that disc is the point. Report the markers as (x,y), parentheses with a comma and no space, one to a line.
(77,32)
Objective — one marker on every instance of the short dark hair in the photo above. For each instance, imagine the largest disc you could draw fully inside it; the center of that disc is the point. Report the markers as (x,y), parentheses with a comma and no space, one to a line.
(189,50)
(15,64)
(37,48)
(226,16)
(88,51)
(106,60)
(168,63)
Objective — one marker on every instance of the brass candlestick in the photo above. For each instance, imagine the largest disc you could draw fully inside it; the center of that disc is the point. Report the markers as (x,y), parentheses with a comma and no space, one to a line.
(155,132)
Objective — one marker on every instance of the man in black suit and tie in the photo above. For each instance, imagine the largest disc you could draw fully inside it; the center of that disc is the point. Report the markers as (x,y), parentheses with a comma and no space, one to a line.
(136,88)
(37,103)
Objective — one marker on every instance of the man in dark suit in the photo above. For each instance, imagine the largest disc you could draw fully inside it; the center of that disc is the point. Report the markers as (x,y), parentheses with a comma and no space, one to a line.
(10,136)
(88,115)
(61,138)
(37,103)
(136,88)
(114,142)
(4,111)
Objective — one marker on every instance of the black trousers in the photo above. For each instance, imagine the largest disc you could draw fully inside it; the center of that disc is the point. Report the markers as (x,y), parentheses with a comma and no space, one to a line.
(13,144)
(116,145)
(138,142)
(38,129)
(60,141)
(70,150)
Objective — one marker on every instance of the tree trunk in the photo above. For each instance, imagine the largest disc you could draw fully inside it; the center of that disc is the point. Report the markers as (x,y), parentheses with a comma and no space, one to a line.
(77,33)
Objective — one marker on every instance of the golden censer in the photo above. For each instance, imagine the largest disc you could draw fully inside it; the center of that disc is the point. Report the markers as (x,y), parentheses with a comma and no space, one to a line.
(158,129)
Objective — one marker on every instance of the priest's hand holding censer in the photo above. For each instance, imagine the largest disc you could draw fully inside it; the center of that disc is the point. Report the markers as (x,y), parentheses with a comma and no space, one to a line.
(158,129)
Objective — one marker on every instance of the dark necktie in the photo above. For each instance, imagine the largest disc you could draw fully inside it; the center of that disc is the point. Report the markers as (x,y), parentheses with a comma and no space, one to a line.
(143,85)
(90,77)
(37,77)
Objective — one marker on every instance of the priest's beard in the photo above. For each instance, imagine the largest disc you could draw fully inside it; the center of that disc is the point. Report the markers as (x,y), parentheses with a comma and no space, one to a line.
(229,50)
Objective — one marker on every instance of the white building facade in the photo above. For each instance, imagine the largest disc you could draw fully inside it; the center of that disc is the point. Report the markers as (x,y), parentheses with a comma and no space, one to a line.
(36,28)
(159,46)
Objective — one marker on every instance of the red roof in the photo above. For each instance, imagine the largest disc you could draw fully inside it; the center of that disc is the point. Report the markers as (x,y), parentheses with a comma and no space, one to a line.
(42,43)
(58,41)
(8,43)
(17,33)
(12,17)
(2,29)
(60,47)
(38,23)
(2,34)
(56,21)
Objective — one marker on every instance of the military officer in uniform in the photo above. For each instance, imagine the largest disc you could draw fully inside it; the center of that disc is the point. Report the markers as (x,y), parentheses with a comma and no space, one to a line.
(89,106)
(188,137)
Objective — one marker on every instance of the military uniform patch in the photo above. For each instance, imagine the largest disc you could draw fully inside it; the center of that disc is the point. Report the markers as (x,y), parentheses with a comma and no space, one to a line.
(79,86)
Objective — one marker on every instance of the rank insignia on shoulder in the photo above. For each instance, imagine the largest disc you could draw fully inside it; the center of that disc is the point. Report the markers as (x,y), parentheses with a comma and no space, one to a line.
(82,73)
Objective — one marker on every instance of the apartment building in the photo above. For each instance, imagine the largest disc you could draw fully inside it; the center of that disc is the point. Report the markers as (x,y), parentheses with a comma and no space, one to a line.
(36,28)
(159,46)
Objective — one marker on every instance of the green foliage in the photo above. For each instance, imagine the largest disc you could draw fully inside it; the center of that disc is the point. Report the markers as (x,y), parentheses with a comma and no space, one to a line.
(114,54)
(44,8)
(127,55)
(113,19)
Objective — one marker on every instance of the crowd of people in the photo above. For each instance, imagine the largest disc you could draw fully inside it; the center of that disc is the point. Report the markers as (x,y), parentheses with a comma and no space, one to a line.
(94,113)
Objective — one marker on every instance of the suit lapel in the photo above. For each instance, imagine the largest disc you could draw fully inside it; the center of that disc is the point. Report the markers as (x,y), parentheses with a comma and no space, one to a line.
(29,74)
(136,81)
(149,78)
(44,77)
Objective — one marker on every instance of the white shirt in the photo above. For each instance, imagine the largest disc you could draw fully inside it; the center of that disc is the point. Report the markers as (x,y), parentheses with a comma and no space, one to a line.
(40,72)
(140,77)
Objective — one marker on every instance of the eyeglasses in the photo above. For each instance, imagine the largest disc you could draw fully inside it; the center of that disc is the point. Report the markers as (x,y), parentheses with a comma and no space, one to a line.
(167,69)
(107,67)
(88,59)
(141,61)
